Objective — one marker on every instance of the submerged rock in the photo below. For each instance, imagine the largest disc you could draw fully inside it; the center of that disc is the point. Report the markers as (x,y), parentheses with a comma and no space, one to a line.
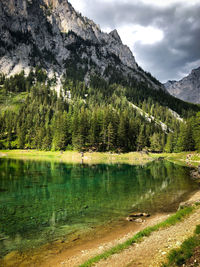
(131,219)
(139,220)
(146,215)
(139,215)
(136,217)
(195,174)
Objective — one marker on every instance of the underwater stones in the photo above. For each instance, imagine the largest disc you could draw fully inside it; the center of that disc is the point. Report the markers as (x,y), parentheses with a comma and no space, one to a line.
(137,217)
(137,220)
(195,174)
(146,215)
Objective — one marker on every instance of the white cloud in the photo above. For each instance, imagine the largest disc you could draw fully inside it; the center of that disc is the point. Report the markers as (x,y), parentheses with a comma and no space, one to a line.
(79,5)
(163,34)
(131,34)
(165,3)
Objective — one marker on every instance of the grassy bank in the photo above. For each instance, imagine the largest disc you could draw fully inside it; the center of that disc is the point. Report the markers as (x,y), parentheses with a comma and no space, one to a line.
(134,158)
(178,257)
(184,158)
(172,220)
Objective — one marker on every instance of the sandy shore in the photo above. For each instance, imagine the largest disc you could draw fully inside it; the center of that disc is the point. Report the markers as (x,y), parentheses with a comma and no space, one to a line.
(78,251)
(152,251)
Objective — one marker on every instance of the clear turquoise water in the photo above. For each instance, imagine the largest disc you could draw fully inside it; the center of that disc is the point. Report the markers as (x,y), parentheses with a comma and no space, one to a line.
(43,201)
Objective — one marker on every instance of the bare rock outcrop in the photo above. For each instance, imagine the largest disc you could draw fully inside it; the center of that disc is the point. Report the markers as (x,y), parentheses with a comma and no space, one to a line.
(187,89)
(52,34)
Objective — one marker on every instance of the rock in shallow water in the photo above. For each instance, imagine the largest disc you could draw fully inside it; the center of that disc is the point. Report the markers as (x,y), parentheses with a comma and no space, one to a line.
(136,217)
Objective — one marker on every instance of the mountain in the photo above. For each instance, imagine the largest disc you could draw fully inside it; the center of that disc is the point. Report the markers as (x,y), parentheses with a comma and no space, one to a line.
(51,34)
(187,89)
(106,102)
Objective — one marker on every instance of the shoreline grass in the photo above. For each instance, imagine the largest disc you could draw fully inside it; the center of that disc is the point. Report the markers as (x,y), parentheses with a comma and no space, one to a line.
(178,257)
(181,158)
(172,220)
(134,158)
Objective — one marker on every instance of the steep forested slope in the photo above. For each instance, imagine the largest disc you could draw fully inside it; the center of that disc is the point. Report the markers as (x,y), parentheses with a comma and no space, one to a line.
(65,84)
(96,117)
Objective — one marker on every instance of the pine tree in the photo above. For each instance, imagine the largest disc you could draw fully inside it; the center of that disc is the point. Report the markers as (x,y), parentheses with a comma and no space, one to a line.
(21,136)
(59,131)
(170,143)
(110,137)
(196,131)
(141,140)
(122,133)
(156,142)
(181,141)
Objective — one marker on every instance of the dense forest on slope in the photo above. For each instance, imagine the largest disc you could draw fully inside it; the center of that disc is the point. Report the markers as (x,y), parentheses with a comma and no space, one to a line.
(104,116)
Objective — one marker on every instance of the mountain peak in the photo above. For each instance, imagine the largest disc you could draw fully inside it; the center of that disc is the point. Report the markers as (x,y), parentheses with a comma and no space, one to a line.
(196,71)
(188,88)
(52,4)
(115,35)
(53,35)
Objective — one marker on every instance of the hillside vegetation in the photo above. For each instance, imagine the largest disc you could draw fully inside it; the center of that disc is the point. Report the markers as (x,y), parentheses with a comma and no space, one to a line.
(98,117)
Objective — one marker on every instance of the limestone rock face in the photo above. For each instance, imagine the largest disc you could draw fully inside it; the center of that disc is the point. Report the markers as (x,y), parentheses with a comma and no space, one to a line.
(187,89)
(50,33)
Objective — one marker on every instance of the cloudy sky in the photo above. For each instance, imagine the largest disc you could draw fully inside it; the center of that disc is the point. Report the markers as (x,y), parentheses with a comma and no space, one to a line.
(164,35)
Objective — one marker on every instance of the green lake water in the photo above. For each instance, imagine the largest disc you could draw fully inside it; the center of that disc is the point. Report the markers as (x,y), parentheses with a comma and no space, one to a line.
(44,201)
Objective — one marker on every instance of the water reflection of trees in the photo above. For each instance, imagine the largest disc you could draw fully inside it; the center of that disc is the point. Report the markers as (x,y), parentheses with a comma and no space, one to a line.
(41,196)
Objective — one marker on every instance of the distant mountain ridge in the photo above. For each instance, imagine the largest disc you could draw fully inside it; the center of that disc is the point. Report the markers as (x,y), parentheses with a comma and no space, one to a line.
(50,33)
(188,88)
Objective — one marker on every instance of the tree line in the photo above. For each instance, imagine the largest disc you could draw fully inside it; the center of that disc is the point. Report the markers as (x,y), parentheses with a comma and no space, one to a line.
(99,117)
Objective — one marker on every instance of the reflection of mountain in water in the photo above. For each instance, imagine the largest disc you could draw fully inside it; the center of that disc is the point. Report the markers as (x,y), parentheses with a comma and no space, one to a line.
(43,200)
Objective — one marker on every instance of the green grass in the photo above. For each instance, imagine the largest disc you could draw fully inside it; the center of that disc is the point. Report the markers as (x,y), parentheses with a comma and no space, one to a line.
(178,216)
(11,101)
(133,158)
(178,257)
(180,158)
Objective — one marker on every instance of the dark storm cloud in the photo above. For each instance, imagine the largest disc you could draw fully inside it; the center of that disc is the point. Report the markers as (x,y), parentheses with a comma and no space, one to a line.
(179,51)
(176,53)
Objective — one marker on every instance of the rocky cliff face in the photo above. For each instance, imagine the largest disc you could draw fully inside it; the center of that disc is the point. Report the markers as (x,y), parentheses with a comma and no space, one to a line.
(50,33)
(187,89)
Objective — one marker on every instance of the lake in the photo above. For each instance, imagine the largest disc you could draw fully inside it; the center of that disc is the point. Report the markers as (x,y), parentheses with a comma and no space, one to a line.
(42,201)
